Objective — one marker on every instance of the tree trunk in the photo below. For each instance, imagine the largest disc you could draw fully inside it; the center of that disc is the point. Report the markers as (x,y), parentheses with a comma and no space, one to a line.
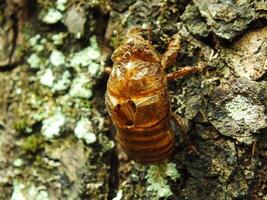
(56,139)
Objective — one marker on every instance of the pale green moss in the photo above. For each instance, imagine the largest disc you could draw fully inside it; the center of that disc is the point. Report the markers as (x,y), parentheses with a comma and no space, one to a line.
(20,125)
(32,144)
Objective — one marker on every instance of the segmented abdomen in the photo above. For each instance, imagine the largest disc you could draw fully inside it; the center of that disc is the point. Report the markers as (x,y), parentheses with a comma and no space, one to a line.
(143,125)
(147,145)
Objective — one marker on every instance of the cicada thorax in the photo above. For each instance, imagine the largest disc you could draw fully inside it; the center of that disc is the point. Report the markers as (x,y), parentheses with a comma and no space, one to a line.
(138,103)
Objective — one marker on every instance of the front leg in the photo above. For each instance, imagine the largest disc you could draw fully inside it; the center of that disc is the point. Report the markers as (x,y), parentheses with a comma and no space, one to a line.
(169,57)
(185,71)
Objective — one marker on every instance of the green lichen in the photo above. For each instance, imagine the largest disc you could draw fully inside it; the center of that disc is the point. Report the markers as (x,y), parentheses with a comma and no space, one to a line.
(86,56)
(157,179)
(240,108)
(17,191)
(84,130)
(52,125)
(118,196)
(58,38)
(194,22)
(52,16)
(53,99)
(34,40)
(61,5)
(34,61)
(62,83)
(47,78)
(23,192)
(53,12)
(106,143)
(243,109)
(18,162)
(237,115)
(57,58)
(81,87)
(35,43)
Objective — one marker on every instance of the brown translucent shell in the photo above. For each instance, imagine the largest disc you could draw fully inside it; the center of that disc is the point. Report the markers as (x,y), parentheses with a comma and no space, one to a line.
(138,103)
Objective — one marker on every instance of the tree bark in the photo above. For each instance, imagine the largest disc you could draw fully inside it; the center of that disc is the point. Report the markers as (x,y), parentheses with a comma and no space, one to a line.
(56,139)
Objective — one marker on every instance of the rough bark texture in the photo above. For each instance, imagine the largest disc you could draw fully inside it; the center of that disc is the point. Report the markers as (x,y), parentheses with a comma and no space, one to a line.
(56,140)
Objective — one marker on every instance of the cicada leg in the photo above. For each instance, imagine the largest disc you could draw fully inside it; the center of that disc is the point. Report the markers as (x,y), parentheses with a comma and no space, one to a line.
(179,122)
(169,57)
(185,71)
